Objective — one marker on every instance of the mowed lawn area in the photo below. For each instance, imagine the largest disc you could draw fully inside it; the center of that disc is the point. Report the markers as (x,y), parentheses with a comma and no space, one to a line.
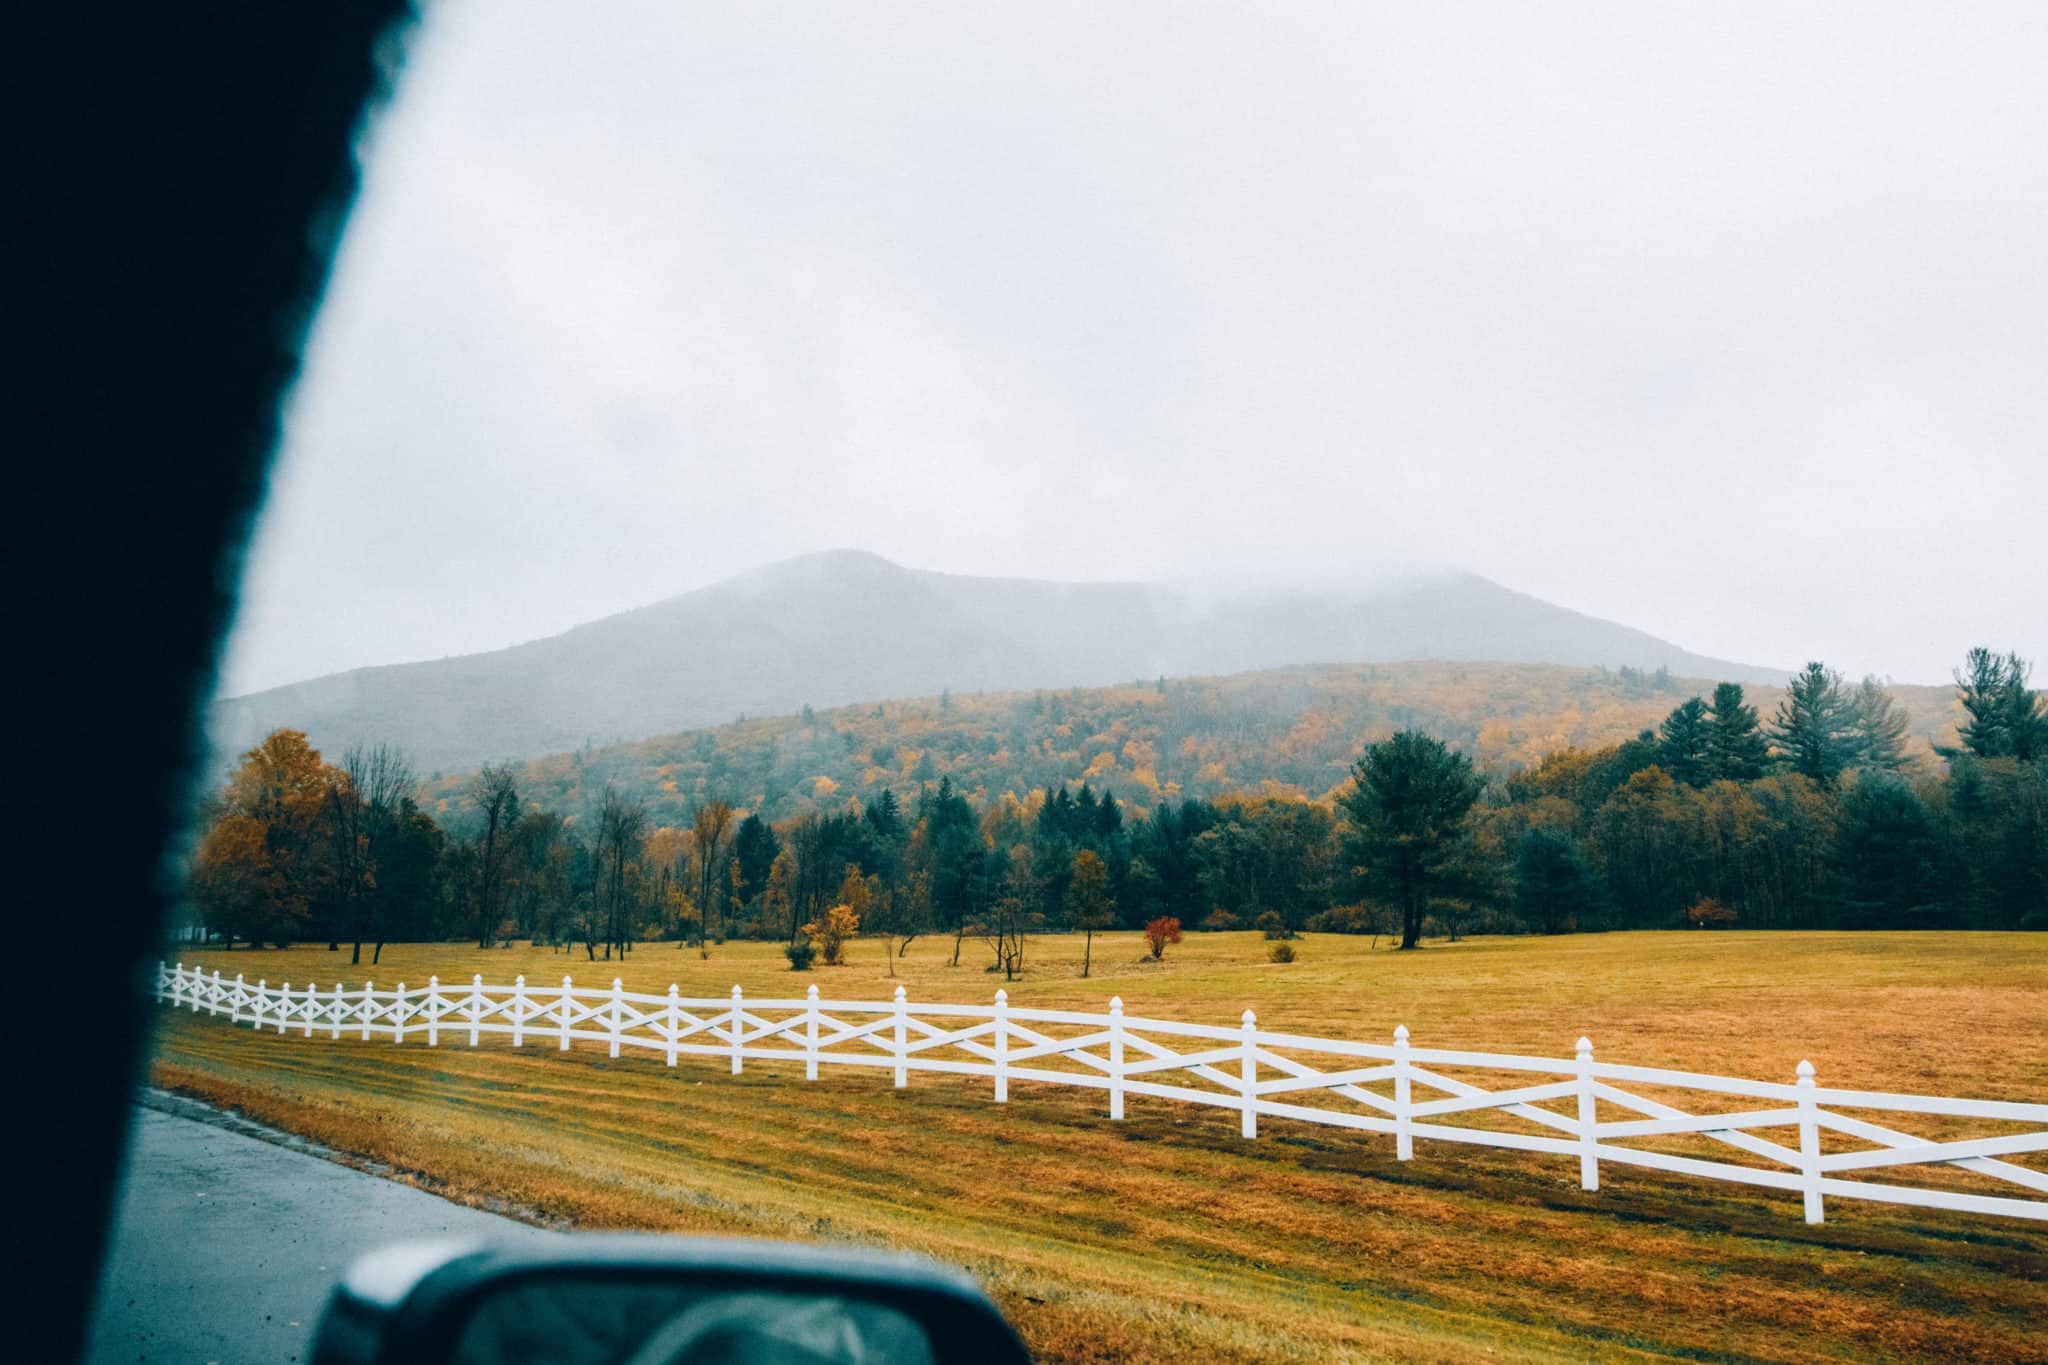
(1167,1236)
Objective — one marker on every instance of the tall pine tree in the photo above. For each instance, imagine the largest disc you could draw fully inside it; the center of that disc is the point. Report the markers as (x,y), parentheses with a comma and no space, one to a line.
(2003,716)
(1880,728)
(1814,730)
(1682,745)
(1409,800)
(1736,751)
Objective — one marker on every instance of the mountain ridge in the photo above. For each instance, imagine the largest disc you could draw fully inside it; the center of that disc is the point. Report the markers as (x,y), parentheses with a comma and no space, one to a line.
(839,627)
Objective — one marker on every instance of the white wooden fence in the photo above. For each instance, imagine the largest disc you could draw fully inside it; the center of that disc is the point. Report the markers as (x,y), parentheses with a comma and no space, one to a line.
(1371,1087)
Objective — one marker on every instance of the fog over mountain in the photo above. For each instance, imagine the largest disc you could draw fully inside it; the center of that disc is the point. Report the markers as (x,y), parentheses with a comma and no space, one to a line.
(846,626)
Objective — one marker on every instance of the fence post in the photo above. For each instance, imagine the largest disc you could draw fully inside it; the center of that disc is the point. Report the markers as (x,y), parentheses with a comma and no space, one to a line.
(618,986)
(241,997)
(1248,1072)
(675,1021)
(337,1011)
(811,1033)
(1116,1056)
(213,1001)
(519,1010)
(284,1006)
(902,1042)
(398,1014)
(184,996)
(369,995)
(1002,1047)
(306,1014)
(1809,1143)
(1404,1135)
(1589,1141)
(256,1005)
(476,1005)
(566,998)
(734,1018)
(433,1011)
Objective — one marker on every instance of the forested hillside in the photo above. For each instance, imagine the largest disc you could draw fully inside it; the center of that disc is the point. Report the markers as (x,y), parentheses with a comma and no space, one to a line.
(1285,732)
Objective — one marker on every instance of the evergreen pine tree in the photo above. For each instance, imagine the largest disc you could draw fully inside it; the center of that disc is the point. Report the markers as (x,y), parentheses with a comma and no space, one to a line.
(2004,718)
(1814,730)
(1682,747)
(1555,890)
(1880,728)
(1981,688)
(754,848)
(885,816)
(1884,859)
(1736,750)
(1409,800)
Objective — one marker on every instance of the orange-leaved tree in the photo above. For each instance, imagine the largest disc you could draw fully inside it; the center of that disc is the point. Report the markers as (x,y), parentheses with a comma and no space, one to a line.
(264,864)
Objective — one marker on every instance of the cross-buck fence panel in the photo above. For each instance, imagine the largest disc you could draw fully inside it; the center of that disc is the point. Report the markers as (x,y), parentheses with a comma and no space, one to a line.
(1546,1105)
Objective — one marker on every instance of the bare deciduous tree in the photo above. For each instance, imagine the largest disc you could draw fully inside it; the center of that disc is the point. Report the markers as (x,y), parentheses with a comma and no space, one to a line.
(621,826)
(495,795)
(707,848)
(362,808)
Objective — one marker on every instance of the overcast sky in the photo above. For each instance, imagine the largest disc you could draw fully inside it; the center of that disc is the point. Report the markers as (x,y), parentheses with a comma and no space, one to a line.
(1727,322)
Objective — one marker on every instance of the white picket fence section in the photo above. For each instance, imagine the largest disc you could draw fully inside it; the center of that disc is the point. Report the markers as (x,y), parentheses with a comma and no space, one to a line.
(1370,1087)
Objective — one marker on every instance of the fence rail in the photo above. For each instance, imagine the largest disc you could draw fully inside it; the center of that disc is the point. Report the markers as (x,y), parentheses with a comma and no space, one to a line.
(1396,1088)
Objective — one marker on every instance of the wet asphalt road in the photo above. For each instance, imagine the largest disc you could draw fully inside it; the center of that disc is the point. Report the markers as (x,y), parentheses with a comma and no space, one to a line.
(226,1244)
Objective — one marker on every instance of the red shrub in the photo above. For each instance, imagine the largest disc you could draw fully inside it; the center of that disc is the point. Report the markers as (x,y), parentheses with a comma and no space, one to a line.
(1709,913)
(1160,932)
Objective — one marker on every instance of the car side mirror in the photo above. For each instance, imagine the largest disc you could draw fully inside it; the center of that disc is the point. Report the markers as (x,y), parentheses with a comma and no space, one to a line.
(632,1299)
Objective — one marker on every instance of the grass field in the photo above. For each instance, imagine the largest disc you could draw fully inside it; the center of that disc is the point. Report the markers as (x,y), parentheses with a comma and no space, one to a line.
(1169,1237)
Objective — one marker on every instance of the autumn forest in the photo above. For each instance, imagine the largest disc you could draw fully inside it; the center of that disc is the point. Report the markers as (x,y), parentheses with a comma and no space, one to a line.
(1407,801)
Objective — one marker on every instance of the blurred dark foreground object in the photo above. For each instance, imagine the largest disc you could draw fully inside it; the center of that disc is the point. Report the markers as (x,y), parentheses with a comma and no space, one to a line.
(179,175)
(622,1299)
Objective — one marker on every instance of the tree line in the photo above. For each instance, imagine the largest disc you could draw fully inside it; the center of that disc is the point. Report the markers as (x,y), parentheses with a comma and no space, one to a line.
(1818,817)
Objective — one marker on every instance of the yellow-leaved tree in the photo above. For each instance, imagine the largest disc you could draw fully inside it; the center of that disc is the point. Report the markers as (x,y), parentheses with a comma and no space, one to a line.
(1088,901)
(833,932)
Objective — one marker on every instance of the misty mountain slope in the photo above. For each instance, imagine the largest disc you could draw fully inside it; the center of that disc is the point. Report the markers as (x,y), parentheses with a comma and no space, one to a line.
(846,626)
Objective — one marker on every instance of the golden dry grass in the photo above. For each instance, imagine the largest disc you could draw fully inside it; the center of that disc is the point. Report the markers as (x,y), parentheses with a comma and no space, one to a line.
(1169,1237)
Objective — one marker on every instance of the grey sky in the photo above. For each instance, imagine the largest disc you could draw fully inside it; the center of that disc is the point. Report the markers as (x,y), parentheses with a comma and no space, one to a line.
(1728,322)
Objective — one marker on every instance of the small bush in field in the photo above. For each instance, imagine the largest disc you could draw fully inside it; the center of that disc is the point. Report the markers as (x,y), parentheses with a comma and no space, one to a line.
(1272,926)
(1280,952)
(801,955)
(1219,921)
(1708,913)
(1160,932)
